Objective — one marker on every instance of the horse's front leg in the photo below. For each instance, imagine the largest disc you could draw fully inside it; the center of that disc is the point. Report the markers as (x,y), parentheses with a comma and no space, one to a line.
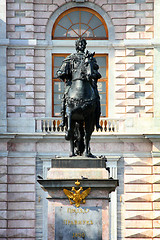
(87,145)
(72,154)
(69,127)
(72,142)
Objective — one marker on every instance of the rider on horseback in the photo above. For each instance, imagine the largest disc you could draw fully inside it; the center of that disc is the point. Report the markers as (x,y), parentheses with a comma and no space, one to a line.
(72,64)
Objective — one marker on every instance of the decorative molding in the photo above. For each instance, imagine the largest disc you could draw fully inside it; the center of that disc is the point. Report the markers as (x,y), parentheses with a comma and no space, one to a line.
(155,154)
(113,158)
(4,42)
(108,44)
(3,154)
(113,137)
(79,1)
(112,161)
(90,5)
(22,154)
(77,197)
(22,42)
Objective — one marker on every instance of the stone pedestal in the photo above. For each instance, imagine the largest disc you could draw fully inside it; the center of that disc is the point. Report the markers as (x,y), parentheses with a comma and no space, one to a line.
(88,221)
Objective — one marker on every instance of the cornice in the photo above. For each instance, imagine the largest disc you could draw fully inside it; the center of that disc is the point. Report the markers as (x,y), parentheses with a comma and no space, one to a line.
(48,137)
(45,44)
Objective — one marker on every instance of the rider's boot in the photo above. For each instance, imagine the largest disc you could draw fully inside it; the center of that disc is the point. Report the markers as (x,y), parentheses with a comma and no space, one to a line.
(62,124)
(63,111)
(98,126)
(97,115)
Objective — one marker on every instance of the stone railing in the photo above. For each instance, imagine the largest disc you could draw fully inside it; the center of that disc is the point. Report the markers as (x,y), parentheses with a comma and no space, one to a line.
(51,125)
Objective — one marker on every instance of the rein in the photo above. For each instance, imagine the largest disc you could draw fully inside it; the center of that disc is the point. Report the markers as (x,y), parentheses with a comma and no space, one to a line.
(82,79)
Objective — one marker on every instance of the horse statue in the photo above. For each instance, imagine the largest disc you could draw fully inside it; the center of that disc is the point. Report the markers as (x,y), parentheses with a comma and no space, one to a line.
(80,102)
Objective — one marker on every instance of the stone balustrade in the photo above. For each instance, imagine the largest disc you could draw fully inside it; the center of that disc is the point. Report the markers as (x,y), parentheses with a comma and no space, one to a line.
(51,125)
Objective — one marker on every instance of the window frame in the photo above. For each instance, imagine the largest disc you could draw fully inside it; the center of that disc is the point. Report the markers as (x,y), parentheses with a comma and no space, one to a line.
(80,9)
(54,79)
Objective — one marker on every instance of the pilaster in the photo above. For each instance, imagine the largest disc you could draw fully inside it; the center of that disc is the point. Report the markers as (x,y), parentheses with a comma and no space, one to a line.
(156,58)
(112,164)
(3,77)
(156,186)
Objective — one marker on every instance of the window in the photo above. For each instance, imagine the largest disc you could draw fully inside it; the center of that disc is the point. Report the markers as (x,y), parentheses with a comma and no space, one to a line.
(102,60)
(72,24)
(80,22)
(58,86)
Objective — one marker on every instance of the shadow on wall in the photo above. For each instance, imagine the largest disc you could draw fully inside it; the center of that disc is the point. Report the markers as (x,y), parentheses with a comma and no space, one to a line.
(3,44)
(2,29)
(120,200)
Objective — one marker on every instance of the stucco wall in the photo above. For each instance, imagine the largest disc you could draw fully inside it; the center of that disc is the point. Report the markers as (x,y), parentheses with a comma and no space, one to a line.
(23,204)
(29,80)
(133,92)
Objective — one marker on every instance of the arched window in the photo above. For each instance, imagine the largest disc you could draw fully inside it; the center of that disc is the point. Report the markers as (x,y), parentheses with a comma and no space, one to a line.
(72,24)
(80,22)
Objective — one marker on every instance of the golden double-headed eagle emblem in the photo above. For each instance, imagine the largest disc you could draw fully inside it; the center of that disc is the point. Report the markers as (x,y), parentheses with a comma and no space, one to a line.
(75,196)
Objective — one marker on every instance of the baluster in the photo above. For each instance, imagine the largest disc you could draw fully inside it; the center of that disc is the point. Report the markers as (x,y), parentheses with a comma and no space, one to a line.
(107,126)
(58,128)
(56,125)
(118,125)
(51,125)
(44,125)
(111,126)
(48,125)
(102,124)
(116,129)
(61,129)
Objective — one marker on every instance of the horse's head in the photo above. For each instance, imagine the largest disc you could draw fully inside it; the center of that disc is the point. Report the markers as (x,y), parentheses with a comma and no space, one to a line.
(89,56)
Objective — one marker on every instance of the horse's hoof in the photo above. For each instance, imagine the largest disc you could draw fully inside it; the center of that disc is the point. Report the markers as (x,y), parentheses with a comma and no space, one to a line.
(72,155)
(68,135)
(98,127)
(90,155)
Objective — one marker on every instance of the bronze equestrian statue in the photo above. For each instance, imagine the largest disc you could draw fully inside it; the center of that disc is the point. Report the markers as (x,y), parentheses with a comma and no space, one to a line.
(80,101)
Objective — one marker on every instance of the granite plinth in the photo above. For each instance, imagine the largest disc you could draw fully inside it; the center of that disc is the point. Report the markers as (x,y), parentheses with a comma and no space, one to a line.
(78,162)
(79,173)
(102,204)
(65,220)
(82,223)
(54,184)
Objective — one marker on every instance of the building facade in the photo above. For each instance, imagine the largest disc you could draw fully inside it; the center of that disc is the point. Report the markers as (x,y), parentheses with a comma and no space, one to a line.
(35,36)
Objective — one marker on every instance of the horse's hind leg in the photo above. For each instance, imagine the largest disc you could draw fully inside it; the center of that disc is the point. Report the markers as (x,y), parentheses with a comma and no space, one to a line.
(69,127)
(89,127)
(80,138)
(87,145)
(70,134)
(72,145)
(72,148)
